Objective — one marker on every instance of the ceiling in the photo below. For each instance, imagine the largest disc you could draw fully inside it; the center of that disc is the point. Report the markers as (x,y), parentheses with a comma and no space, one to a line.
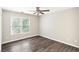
(30,10)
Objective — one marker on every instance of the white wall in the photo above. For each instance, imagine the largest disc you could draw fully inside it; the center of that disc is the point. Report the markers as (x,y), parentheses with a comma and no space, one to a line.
(61,26)
(0,27)
(7,37)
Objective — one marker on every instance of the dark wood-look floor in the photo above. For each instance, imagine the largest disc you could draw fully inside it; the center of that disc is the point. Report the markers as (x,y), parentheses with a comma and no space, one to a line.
(37,44)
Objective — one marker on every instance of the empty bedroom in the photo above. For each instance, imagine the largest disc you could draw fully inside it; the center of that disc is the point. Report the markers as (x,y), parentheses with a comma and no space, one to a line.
(40,29)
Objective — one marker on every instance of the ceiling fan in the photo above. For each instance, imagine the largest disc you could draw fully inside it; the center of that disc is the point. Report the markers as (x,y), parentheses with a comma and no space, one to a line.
(38,11)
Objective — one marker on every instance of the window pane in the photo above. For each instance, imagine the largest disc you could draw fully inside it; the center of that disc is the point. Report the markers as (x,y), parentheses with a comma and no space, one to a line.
(16,22)
(16,29)
(25,27)
(16,25)
(25,22)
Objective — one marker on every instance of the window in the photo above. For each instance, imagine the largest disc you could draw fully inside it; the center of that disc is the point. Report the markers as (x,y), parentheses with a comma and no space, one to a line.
(19,25)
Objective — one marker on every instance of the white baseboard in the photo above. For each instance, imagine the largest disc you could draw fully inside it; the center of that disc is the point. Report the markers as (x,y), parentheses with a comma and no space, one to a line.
(42,36)
(18,39)
(60,41)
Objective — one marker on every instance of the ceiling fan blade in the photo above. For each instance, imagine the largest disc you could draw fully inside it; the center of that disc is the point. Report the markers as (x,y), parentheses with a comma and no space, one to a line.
(44,10)
(41,12)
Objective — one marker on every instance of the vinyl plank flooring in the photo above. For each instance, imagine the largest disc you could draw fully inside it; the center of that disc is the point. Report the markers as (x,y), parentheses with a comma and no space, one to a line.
(37,44)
